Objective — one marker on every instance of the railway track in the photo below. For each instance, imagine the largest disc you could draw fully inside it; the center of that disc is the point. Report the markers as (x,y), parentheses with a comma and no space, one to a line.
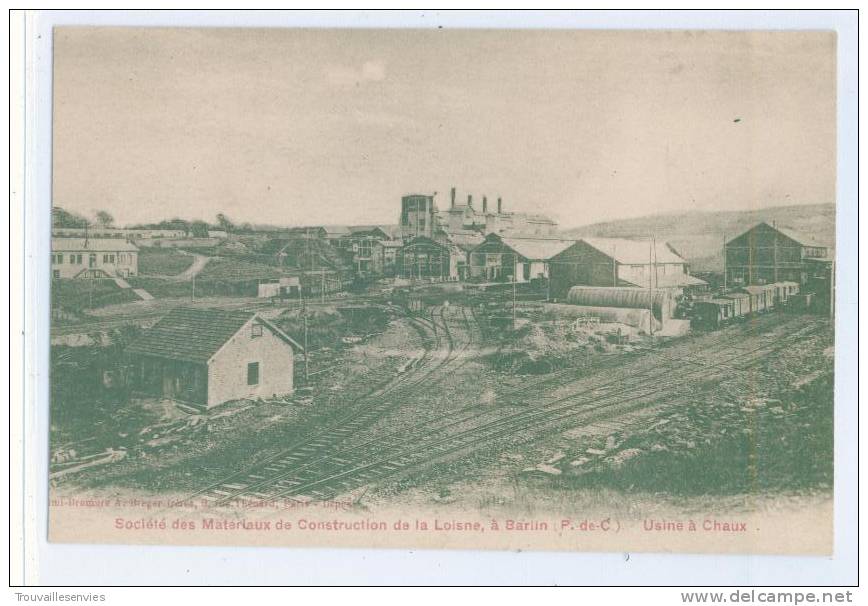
(560,412)
(373,407)
(396,451)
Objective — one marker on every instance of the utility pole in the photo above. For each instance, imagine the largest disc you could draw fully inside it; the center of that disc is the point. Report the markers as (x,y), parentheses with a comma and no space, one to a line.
(514,263)
(775,255)
(724,263)
(650,292)
(832,294)
(306,361)
(304,309)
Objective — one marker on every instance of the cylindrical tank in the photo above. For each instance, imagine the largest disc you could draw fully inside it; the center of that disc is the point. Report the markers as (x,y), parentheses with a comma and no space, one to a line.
(635,317)
(613,296)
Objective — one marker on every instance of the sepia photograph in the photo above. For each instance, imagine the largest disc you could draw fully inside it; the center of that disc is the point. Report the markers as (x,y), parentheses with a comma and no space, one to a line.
(498,289)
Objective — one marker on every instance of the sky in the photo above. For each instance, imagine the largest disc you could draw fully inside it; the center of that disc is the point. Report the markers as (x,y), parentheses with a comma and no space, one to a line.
(305,127)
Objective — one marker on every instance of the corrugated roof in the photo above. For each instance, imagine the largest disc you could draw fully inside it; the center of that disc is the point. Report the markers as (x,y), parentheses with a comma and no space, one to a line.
(676,280)
(93,245)
(805,239)
(801,237)
(195,335)
(634,252)
(537,248)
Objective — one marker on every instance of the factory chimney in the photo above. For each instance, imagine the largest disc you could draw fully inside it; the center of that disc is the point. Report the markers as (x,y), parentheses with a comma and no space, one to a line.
(470,201)
(452,197)
(484,204)
(499,205)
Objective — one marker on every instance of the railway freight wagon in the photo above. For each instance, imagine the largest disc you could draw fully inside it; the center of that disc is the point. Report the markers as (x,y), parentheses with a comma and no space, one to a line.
(712,313)
(784,290)
(761,297)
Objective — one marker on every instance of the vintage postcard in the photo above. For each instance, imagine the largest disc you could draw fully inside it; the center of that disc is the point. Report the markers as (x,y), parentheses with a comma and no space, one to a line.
(489,289)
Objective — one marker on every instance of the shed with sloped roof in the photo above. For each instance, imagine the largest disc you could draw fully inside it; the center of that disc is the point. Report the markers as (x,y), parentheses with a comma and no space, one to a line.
(211,356)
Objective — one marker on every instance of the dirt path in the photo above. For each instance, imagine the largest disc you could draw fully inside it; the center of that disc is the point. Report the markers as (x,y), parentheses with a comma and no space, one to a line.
(199,263)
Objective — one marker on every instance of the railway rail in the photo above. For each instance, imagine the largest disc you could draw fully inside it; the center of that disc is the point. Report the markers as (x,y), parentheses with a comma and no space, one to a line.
(292,477)
(375,405)
(561,411)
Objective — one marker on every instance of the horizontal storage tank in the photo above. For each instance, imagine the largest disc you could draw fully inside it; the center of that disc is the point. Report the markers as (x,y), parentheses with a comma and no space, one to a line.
(626,297)
(635,317)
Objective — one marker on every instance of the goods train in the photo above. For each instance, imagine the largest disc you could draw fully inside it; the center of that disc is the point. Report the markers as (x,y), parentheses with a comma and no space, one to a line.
(741,303)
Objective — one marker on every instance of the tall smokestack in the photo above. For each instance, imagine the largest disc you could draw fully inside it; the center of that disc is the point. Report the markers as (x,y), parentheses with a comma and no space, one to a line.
(469,200)
(499,205)
(452,197)
(485,204)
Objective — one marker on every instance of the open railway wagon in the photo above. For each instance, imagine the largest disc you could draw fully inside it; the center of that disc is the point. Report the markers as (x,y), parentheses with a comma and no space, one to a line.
(712,313)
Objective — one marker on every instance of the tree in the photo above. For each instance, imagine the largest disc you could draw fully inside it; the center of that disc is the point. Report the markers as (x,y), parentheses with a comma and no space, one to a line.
(225,223)
(104,218)
(199,229)
(63,218)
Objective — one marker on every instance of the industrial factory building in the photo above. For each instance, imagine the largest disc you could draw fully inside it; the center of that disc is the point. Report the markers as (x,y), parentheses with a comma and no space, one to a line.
(420,216)
(619,262)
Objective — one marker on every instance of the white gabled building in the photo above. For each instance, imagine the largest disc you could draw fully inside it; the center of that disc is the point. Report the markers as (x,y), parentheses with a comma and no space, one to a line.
(93,258)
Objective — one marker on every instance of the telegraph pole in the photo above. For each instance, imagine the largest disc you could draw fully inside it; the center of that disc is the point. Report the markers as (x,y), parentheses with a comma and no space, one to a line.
(513,289)
(306,361)
(724,263)
(832,294)
(650,292)
(304,310)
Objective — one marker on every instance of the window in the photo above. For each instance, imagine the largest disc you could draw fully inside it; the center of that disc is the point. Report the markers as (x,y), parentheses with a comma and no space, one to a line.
(56,273)
(253,373)
(255,330)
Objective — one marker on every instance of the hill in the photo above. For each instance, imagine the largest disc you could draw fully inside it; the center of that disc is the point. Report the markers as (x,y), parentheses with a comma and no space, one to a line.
(699,235)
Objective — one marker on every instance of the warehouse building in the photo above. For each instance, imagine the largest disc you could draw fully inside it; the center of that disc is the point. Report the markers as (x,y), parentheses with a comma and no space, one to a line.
(620,262)
(210,356)
(766,253)
(506,259)
(423,258)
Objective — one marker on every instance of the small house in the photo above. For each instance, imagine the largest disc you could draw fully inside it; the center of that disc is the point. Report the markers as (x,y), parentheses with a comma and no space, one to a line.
(211,356)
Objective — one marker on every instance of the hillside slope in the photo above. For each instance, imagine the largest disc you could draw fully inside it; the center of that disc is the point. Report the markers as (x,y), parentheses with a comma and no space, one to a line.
(699,236)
